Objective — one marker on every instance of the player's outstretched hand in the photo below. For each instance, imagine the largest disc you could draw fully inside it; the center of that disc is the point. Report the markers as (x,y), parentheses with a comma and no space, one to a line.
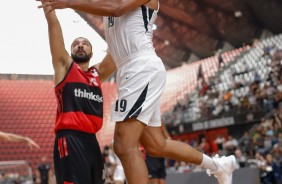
(31,143)
(53,4)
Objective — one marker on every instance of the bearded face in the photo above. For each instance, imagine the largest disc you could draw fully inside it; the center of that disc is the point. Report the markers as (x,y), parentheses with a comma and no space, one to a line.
(81,50)
(81,56)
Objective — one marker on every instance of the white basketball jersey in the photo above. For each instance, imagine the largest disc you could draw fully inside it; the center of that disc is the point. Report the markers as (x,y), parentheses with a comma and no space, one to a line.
(130,34)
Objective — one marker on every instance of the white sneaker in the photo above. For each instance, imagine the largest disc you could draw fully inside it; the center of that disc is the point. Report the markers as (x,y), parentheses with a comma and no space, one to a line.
(226,166)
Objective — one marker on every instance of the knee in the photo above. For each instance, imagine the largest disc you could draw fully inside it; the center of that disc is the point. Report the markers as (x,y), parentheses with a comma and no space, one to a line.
(118,149)
(122,150)
(156,150)
(152,152)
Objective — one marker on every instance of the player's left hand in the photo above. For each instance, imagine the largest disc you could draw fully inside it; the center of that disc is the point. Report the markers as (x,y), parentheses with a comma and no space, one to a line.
(54,4)
(31,143)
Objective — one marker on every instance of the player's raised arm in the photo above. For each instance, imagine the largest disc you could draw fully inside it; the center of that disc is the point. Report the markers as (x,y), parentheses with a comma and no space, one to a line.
(106,67)
(114,8)
(60,58)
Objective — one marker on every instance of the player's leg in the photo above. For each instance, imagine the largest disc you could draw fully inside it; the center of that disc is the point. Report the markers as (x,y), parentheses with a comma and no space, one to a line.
(157,180)
(153,181)
(96,160)
(161,171)
(141,84)
(118,182)
(153,167)
(161,181)
(155,144)
(126,146)
(57,165)
(71,160)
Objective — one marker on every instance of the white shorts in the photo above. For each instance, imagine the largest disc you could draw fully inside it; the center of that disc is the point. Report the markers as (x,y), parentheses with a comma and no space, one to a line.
(141,81)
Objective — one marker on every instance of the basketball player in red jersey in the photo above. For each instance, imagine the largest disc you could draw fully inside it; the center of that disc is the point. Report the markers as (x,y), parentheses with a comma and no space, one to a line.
(141,78)
(77,156)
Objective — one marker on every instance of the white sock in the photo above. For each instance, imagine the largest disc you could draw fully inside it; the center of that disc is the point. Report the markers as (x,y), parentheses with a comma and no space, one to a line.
(208,163)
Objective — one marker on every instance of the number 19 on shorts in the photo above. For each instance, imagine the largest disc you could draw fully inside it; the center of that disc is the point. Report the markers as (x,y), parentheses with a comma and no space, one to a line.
(121,105)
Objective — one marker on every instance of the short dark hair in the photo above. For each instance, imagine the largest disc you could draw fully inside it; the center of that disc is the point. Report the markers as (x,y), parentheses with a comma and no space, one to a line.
(84,39)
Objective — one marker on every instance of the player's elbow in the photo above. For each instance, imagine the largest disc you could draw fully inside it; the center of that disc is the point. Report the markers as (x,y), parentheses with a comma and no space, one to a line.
(118,11)
(116,14)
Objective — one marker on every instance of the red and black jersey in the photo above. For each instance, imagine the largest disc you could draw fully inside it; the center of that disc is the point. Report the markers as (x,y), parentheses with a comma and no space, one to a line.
(80,101)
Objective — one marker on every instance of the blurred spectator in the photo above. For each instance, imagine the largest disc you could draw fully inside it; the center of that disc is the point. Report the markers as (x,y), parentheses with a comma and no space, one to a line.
(179,167)
(240,158)
(245,144)
(105,154)
(276,152)
(200,74)
(118,172)
(205,146)
(2,177)
(109,169)
(258,161)
(227,96)
(220,141)
(183,167)
(230,145)
(204,87)
(43,174)
(273,174)
(279,140)
(220,59)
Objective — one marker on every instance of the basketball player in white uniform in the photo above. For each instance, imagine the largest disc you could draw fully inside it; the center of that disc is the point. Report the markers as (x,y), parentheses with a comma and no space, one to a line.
(141,80)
